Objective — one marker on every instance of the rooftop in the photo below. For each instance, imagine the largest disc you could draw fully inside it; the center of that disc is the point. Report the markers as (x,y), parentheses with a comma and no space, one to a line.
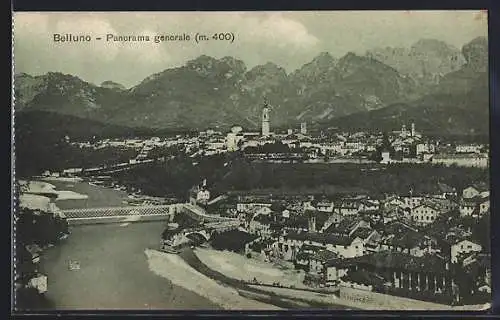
(324,255)
(320,238)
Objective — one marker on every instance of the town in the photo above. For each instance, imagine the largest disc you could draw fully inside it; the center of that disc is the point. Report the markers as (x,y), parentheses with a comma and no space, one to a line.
(429,244)
(406,145)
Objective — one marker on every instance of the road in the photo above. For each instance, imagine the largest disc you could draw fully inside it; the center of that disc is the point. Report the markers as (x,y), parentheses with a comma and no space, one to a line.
(113,273)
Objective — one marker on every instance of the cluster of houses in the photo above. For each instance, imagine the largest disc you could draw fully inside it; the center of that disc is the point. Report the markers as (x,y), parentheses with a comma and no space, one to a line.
(406,145)
(385,245)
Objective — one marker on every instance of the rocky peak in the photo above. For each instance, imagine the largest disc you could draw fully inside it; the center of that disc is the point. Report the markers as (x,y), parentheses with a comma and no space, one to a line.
(324,58)
(269,69)
(476,53)
(433,46)
(112,85)
(238,66)
(226,67)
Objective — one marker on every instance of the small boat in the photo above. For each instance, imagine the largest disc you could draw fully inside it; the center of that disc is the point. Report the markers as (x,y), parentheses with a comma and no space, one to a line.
(74,265)
(64,236)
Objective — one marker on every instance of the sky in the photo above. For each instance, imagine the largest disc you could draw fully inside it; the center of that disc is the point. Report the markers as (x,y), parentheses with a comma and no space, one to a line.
(289,39)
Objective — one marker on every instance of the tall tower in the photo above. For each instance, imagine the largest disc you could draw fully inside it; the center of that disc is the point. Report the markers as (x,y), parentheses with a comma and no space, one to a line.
(303,128)
(311,221)
(265,120)
(413,129)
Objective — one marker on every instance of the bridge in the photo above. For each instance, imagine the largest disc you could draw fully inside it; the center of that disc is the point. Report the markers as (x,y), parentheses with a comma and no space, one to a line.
(199,234)
(121,214)
(126,214)
(211,225)
(209,229)
(199,214)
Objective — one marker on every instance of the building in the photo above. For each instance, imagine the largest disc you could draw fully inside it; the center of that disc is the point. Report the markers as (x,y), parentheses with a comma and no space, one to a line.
(250,205)
(318,260)
(232,140)
(461,247)
(474,191)
(424,148)
(343,246)
(446,191)
(468,148)
(303,128)
(462,159)
(426,213)
(474,207)
(467,207)
(334,271)
(396,273)
(325,206)
(386,156)
(265,121)
(348,208)
(410,242)
(261,225)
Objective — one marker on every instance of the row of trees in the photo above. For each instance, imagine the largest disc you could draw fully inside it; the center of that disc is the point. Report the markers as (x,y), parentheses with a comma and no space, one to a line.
(374,179)
(175,177)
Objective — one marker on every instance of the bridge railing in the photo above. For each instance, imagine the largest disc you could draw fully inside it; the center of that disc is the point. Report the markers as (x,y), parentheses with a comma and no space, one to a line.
(121,208)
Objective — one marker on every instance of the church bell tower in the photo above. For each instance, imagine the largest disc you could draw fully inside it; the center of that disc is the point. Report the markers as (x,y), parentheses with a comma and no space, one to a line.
(265,120)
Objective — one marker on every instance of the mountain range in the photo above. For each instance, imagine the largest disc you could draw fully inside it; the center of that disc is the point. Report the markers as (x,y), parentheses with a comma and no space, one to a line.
(439,87)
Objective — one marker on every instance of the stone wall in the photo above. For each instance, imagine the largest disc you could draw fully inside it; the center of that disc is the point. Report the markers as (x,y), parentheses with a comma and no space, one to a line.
(376,301)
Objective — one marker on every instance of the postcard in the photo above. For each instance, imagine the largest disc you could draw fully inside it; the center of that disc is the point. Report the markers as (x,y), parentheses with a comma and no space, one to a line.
(334,160)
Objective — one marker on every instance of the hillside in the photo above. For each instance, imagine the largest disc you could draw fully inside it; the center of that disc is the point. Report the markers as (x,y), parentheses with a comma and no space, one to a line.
(209,92)
(433,114)
(459,104)
(425,62)
(63,94)
(40,141)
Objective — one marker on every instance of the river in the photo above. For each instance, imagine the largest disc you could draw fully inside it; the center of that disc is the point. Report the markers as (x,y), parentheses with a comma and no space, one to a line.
(114,272)
(97,196)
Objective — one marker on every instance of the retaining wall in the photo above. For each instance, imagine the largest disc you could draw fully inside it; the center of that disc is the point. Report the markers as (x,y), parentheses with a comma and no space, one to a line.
(378,301)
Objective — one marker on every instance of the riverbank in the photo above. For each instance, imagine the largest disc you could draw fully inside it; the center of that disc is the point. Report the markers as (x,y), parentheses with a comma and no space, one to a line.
(95,196)
(242,268)
(113,271)
(175,269)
